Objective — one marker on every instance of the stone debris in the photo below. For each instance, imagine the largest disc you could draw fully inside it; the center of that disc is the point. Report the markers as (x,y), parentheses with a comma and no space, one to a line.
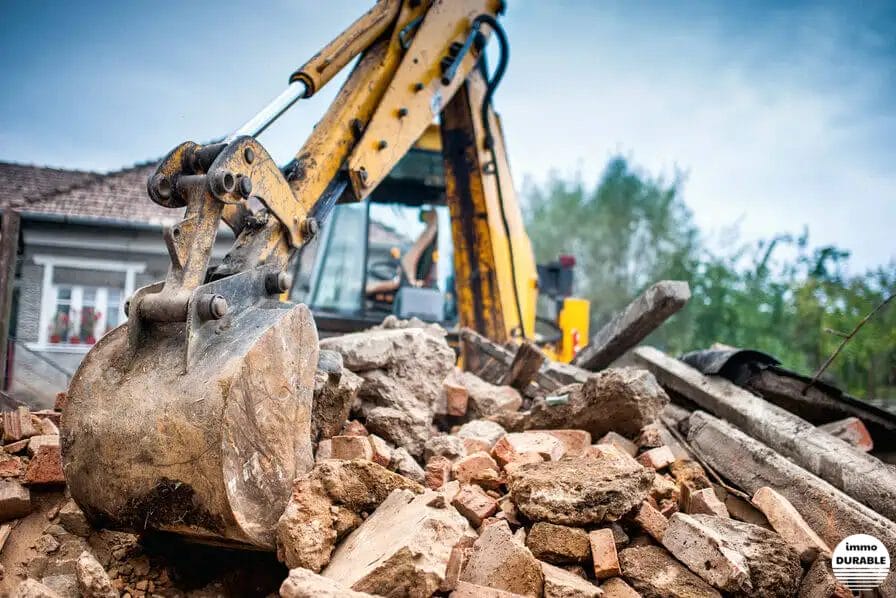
(307,530)
(93,581)
(429,480)
(617,588)
(774,566)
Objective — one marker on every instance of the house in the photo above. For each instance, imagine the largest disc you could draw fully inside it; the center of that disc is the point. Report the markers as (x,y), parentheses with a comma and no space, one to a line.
(87,241)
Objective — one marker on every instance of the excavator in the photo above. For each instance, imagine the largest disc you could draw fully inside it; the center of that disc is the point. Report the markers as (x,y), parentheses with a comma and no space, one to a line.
(194,415)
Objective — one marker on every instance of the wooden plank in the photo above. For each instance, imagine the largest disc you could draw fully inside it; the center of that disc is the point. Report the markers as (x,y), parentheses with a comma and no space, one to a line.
(9,248)
(859,475)
(630,326)
(546,378)
(750,464)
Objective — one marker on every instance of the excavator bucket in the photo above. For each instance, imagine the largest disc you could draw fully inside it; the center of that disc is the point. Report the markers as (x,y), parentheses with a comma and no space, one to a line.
(197,428)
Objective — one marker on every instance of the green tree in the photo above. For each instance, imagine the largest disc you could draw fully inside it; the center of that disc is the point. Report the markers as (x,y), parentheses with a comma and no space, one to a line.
(779,296)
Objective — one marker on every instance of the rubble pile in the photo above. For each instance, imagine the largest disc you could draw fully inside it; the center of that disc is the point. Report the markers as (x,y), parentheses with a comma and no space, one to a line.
(429,480)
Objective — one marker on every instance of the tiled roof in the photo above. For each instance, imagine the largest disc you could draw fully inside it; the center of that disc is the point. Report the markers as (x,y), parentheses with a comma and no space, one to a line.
(119,195)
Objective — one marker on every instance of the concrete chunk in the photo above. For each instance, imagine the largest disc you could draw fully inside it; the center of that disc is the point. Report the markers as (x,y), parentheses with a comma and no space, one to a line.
(657,458)
(773,565)
(619,441)
(618,399)
(403,548)
(499,562)
(471,590)
(580,491)
(352,447)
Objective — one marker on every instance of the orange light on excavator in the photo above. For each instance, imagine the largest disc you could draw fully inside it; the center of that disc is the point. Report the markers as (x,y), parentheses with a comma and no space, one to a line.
(576,340)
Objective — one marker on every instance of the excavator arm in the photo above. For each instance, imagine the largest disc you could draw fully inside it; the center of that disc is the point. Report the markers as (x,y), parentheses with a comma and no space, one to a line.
(194,417)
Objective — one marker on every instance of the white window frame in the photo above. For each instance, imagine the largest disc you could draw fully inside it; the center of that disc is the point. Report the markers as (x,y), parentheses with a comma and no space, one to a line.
(48,293)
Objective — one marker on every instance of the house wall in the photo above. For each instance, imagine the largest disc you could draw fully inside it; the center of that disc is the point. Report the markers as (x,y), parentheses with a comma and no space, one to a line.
(41,370)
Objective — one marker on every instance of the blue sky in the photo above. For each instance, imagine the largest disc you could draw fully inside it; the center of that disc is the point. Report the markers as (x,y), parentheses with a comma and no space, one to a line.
(783,115)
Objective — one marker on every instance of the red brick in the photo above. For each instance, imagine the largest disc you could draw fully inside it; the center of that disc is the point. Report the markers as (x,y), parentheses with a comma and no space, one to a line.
(523,459)
(651,521)
(61,401)
(45,467)
(456,396)
(11,467)
(510,446)
(382,454)
(438,472)
(457,559)
(850,430)
(657,458)
(603,554)
(790,525)
(474,504)
(17,425)
(472,468)
(575,441)
(352,447)
(16,447)
(354,428)
(705,502)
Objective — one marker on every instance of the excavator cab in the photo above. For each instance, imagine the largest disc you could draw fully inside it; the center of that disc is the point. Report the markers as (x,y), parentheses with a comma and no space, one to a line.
(390,255)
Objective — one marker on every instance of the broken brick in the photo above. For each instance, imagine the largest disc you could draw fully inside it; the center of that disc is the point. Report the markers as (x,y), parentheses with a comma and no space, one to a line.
(498,561)
(558,544)
(657,458)
(707,554)
(18,425)
(456,396)
(706,502)
(474,504)
(559,583)
(438,472)
(382,454)
(45,467)
(510,446)
(603,553)
(851,430)
(11,467)
(15,500)
(39,440)
(352,447)
(475,445)
(354,428)
(617,588)
(651,521)
(575,441)
(476,468)
(790,525)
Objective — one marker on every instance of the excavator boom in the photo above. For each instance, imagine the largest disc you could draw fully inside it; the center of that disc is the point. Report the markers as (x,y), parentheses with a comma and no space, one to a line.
(194,416)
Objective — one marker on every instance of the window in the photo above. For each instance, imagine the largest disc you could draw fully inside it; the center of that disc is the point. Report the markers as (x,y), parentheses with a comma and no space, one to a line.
(82,300)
